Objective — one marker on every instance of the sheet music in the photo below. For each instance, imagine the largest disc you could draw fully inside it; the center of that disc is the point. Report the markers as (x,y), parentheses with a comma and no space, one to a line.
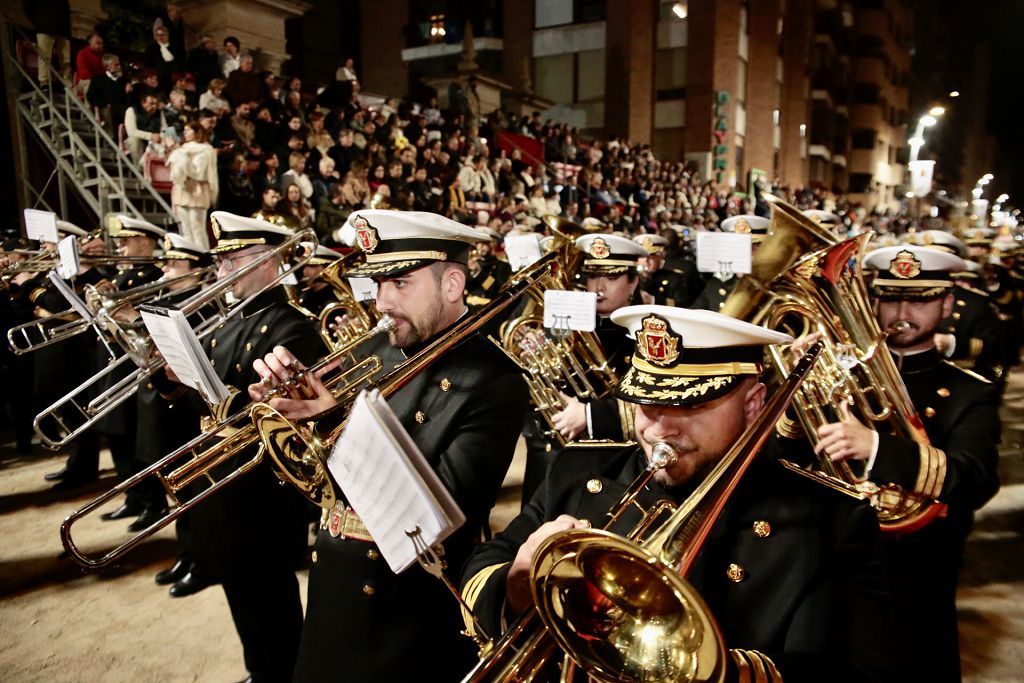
(570,310)
(68,293)
(41,225)
(363,288)
(389,483)
(724,252)
(67,250)
(180,347)
(522,250)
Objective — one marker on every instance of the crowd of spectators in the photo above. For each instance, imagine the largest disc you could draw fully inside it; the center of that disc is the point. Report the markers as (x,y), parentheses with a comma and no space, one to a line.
(253,141)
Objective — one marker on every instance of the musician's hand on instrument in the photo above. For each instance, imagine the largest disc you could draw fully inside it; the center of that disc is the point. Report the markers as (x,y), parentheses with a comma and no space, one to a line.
(572,419)
(800,345)
(845,440)
(274,369)
(517,585)
(300,409)
(94,247)
(944,343)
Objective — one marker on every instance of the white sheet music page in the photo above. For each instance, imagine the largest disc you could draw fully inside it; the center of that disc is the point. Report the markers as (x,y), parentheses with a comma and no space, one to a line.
(570,310)
(181,349)
(724,252)
(41,225)
(67,250)
(522,250)
(389,483)
(363,288)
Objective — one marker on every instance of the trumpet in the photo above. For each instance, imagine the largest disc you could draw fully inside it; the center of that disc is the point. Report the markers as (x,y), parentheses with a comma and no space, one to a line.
(72,414)
(620,607)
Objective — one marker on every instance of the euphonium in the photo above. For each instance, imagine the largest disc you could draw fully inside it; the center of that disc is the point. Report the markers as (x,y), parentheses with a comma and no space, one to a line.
(620,607)
(358,318)
(825,292)
(300,451)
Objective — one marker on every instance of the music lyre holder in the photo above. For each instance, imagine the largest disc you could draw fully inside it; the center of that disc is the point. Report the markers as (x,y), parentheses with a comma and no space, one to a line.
(430,558)
(561,329)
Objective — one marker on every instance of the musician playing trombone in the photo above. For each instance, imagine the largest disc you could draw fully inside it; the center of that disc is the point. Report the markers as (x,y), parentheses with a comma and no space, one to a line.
(251,537)
(789,570)
(465,411)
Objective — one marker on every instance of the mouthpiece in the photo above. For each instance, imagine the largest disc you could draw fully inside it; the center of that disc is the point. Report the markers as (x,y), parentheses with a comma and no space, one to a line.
(662,455)
(385,324)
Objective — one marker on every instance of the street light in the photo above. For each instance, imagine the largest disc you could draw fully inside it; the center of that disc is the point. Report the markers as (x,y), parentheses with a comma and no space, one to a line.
(937,111)
(917,141)
(954,93)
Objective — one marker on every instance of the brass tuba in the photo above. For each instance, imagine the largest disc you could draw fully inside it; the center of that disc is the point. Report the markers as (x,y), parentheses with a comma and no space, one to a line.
(825,292)
(358,317)
(620,607)
(572,362)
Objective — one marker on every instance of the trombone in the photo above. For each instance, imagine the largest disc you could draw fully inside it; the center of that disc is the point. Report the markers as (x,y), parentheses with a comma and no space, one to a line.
(72,414)
(620,607)
(298,454)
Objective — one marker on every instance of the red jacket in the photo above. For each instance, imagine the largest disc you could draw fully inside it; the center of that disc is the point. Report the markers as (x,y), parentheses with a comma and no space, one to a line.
(88,65)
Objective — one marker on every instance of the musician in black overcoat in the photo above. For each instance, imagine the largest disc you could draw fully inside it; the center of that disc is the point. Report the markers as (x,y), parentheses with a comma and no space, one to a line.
(464,412)
(790,569)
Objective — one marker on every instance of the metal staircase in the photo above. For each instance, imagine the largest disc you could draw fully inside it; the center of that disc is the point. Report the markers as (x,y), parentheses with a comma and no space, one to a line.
(83,158)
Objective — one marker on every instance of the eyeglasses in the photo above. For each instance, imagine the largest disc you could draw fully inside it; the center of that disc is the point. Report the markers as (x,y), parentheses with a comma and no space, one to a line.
(228,262)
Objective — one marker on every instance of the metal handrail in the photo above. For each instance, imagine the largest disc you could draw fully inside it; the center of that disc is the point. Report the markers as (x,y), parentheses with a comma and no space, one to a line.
(76,146)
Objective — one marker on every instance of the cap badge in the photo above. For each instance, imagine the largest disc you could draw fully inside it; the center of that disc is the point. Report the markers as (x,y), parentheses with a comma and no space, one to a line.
(216,227)
(366,235)
(168,245)
(742,227)
(648,244)
(600,249)
(905,266)
(656,342)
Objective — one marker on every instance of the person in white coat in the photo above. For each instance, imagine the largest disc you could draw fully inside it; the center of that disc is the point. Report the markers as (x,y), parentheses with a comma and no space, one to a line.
(194,174)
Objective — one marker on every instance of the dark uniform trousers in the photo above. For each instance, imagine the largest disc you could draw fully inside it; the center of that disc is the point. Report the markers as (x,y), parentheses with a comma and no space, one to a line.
(363,622)
(251,535)
(790,569)
(960,414)
(610,418)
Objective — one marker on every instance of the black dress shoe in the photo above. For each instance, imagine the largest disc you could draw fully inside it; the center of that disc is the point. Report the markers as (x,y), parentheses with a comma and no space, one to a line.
(174,572)
(56,476)
(122,512)
(72,483)
(149,515)
(187,585)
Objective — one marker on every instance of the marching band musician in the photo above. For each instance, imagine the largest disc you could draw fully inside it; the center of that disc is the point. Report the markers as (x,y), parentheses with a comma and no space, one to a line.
(317,292)
(169,421)
(790,569)
(609,269)
(960,414)
(487,273)
(464,412)
(135,238)
(251,537)
(718,286)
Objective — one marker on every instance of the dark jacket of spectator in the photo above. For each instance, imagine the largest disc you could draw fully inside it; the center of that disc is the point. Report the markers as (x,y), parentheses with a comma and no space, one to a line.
(154,59)
(204,64)
(244,86)
(105,91)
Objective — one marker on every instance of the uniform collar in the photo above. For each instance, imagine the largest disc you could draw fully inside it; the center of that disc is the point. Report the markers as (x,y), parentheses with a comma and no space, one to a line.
(919,361)
(272,296)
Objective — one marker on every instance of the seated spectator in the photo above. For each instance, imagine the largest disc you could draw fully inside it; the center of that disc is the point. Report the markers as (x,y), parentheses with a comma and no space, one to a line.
(143,124)
(245,130)
(296,174)
(424,196)
(378,177)
(109,94)
(294,84)
(331,214)
(237,194)
(268,174)
(231,60)
(161,58)
(268,211)
(89,63)
(244,84)
(325,176)
(355,187)
(318,138)
(213,99)
(296,209)
(204,63)
(177,112)
(396,178)
(296,142)
(347,71)
(268,132)
(345,152)
(145,81)
(293,106)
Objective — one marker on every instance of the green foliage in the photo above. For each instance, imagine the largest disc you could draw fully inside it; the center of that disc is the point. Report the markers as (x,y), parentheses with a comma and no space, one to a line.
(129,24)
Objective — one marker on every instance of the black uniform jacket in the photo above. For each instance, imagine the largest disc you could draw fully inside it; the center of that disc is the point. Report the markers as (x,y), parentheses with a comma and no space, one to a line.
(960,414)
(121,420)
(363,622)
(483,286)
(611,418)
(254,523)
(975,324)
(807,591)
(677,283)
(714,295)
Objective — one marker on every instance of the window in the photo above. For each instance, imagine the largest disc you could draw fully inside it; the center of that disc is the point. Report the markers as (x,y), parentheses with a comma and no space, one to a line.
(862,138)
(554,78)
(860,182)
(590,75)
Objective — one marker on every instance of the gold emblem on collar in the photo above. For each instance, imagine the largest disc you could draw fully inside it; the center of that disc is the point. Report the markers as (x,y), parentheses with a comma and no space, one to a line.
(655,342)
(366,234)
(905,266)
(600,249)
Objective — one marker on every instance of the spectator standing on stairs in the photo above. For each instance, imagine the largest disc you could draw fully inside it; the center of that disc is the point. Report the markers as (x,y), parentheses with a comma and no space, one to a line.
(89,63)
(52,23)
(194,174)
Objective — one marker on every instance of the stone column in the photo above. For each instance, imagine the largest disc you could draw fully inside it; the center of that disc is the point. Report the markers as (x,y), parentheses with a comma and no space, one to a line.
(629,69)
(517,44)
(761,85)
(258,25)
(85,14)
